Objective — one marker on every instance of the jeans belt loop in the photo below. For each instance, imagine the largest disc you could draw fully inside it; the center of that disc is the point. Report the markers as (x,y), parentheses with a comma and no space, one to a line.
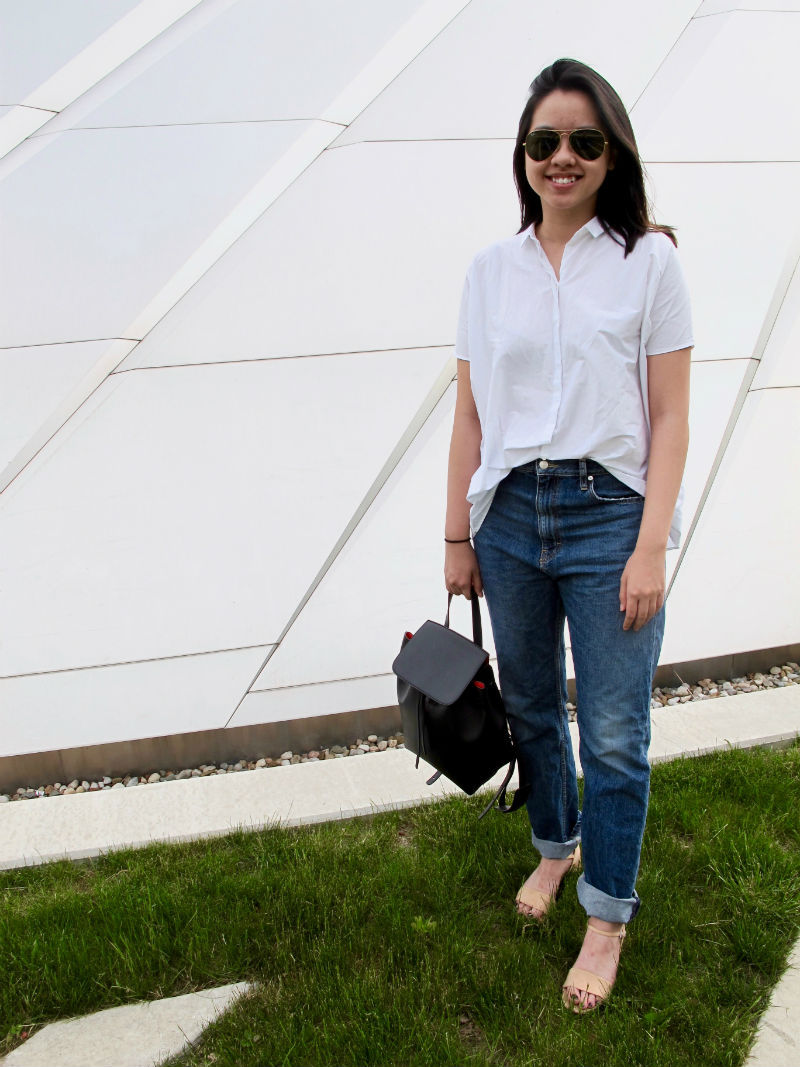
(582,471)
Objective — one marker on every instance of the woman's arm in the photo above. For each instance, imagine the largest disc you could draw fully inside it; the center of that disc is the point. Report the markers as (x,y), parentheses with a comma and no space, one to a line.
(461,572)
(642,589)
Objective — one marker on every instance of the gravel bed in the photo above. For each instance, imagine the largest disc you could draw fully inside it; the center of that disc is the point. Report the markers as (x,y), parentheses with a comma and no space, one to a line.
(359,747)
(705,689)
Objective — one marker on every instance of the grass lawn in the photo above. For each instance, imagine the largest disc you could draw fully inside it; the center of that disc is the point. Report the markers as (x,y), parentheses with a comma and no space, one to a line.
(392,940)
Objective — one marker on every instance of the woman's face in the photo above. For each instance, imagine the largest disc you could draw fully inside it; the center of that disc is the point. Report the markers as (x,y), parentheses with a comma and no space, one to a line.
(566,183)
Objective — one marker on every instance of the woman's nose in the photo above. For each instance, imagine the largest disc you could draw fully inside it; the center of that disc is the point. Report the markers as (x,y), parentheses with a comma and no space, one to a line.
(564,151)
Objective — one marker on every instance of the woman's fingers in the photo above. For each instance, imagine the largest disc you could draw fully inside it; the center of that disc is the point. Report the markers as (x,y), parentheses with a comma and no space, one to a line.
(641,589)
(464,587)
(640,610)
(461,571)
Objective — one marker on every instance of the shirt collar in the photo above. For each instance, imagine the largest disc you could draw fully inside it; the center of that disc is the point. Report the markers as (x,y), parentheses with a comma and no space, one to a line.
(594,227)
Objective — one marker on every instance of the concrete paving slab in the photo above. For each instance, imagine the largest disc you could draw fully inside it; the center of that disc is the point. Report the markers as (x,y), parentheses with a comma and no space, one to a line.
(768,717)
(135,1035)
(85,824)
(777,1042)
(204,807)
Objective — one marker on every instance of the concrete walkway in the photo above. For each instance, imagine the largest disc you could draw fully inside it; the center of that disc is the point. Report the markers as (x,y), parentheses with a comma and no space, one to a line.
(134,1035)
(82,825)
(777,1043)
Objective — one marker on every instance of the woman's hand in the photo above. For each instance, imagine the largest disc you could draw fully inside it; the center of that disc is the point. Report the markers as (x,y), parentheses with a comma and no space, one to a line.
(642,588)
(461,571)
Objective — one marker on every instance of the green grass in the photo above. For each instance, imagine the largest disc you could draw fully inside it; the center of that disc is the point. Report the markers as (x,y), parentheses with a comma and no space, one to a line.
(392,940)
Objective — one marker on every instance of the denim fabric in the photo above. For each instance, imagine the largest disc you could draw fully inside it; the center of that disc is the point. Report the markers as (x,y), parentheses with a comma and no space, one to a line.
(554,545)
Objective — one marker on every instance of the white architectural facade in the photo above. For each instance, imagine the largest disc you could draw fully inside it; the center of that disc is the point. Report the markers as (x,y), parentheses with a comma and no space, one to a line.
(234,234)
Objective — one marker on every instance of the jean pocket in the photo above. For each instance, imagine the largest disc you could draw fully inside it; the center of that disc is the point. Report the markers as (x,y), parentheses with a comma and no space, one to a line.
(607,489)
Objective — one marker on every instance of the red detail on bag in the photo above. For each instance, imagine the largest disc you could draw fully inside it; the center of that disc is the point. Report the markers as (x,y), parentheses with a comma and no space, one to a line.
(409,635)
(479,685)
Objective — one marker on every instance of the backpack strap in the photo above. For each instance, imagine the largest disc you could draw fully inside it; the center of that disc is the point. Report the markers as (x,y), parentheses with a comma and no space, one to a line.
(477,627)
(499,798)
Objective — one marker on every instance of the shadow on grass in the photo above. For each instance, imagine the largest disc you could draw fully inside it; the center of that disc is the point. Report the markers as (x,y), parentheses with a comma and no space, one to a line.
(392,940)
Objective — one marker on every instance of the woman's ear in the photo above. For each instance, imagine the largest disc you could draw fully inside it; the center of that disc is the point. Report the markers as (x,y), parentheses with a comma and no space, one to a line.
(612,157)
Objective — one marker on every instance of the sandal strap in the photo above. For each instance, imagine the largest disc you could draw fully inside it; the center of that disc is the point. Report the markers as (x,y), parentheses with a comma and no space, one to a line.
(620,934)
(587,982)
(535,898)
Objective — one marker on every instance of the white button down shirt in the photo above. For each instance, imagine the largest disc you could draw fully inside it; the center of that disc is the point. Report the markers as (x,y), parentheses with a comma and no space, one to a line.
(559,367)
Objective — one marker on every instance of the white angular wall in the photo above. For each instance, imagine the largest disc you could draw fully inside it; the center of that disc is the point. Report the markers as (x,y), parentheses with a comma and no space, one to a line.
(234,236)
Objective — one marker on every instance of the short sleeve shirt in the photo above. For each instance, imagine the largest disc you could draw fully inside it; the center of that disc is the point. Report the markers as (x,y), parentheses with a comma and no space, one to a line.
(558,367)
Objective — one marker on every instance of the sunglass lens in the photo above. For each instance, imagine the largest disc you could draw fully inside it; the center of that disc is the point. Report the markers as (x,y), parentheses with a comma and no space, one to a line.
(588,144)
(541,144)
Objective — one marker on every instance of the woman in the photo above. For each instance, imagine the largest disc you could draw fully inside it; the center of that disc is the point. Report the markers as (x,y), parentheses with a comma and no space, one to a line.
(568,448)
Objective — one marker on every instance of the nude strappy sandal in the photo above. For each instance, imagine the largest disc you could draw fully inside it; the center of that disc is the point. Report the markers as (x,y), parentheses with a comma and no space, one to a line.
(542,902)
(588,982)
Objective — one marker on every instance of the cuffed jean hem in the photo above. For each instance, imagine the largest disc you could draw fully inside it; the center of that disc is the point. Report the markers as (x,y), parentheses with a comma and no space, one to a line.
(600,905)
(555,850)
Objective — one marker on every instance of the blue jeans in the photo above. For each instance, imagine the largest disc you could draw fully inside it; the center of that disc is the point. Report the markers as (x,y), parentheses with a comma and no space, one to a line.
(554,545)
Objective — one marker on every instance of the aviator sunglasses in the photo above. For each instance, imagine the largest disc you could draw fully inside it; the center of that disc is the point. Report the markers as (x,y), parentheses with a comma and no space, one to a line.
(584,142)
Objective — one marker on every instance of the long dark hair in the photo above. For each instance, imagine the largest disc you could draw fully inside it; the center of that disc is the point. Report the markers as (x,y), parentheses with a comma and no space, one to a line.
(621,200)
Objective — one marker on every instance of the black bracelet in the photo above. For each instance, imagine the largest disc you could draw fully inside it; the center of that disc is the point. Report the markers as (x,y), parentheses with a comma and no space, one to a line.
(461,541)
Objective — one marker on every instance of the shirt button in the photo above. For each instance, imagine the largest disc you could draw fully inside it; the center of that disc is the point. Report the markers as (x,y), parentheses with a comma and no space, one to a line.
(543,464)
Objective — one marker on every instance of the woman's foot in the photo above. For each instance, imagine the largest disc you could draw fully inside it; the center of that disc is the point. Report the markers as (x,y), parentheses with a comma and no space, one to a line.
(541,890)
(591,979)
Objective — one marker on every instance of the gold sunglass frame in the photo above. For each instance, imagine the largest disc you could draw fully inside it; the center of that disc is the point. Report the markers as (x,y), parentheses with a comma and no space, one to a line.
(569,134)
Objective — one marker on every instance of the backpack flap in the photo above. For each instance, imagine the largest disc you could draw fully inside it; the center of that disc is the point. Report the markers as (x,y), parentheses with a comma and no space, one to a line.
(439,662)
